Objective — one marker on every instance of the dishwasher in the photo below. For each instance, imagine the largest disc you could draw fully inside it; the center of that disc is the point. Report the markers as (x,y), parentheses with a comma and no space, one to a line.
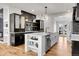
(48,42)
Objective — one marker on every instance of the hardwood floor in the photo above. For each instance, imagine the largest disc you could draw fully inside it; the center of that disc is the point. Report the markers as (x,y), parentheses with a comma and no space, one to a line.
(62,48)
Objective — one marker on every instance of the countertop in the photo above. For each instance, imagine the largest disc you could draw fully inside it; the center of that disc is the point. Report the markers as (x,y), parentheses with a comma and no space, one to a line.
(40,33)
(26,32)
(74,37)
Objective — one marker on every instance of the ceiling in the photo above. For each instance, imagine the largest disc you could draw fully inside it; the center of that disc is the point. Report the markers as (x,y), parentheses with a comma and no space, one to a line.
(38,8)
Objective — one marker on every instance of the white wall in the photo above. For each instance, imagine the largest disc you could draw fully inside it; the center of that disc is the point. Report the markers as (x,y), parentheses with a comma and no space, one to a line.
(49,24)
(65,17)
(14,10)
(62,19)
(6,30)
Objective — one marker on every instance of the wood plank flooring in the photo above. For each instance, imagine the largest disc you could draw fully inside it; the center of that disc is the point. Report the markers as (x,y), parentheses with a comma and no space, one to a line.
(62,48)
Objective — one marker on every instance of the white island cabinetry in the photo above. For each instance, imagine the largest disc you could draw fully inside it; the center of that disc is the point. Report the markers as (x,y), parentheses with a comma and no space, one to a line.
(39,42)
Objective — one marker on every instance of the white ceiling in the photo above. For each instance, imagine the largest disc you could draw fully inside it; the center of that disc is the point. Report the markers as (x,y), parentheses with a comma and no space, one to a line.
(39,7)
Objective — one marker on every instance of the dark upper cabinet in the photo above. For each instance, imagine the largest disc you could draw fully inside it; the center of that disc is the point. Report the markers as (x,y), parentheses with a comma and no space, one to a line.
(14,22)
(38,25)
(28,15)
(77,9)
(75,28)
(17,21)
(1,22)
(28,20)
(76,13)
(76,19)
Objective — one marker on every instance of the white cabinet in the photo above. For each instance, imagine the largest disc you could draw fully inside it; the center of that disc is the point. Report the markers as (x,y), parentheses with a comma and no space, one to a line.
(38,45)
(41,42)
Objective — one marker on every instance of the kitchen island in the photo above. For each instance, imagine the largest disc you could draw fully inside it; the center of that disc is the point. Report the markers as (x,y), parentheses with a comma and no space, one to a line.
(40,42)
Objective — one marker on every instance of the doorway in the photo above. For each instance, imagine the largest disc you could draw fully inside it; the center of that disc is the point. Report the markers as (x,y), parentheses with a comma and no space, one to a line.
(64,30)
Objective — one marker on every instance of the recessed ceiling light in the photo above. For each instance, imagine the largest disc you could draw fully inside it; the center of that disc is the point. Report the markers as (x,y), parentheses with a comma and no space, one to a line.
(32,10)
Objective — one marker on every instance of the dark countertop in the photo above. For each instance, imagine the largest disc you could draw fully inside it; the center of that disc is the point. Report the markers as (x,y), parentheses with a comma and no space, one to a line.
(26,32)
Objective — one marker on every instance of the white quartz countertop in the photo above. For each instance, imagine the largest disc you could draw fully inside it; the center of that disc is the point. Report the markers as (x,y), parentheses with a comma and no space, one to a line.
(26,32)
(74,37)
(40,33)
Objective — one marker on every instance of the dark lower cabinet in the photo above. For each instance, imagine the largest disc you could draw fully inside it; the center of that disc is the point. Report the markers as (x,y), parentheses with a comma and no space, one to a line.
(75,48)
(17,39)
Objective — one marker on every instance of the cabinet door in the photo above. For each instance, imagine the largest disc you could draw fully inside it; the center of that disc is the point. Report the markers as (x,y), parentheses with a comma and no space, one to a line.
(22,22)
(17,21)
(75,27)
(75,48)
(1,22)
(77,10)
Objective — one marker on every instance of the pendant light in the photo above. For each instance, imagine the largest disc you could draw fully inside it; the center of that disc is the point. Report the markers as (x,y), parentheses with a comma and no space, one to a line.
(45,9)
(46,16)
